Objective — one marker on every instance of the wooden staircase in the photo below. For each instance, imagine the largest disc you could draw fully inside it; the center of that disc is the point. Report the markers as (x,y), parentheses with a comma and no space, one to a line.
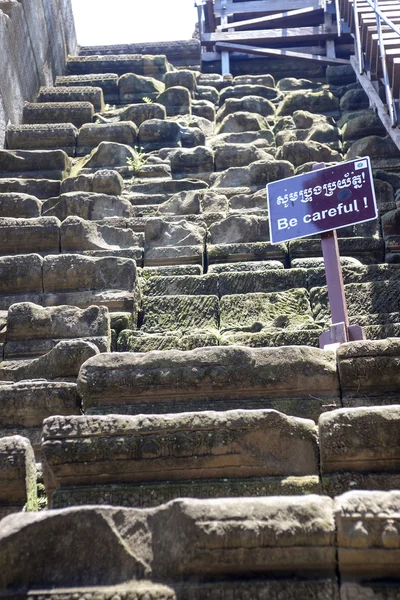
(363,33)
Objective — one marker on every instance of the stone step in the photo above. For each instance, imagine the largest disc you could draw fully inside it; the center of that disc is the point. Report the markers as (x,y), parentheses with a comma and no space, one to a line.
(91,94)
(108,82)
(76,113)
(33,330)
(70,279)
(25,236)
(53,136)
(236,453)
(35,164)
(212,379)
(150,66)
(39,188)
(221,547)
(19,206)
(25,404)
(61,363)
(17,476)
(183,52)
(92,134)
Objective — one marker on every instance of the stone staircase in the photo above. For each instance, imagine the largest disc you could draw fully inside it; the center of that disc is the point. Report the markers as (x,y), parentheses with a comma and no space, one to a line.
(171,351)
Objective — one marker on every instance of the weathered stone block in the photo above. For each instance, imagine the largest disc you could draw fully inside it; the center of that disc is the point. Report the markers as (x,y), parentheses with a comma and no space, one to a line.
(238,229)
(17,475)
(238,155)
(205,109)
(248,89)
(87,205)
(38,164)
(62,361)
(20,279)
(60,136)
(362,299)
(368,537)
(157,133)
(139,113)
(361,443)
(92,134)
(71,272)
(108,82)
(255,176)
(214,541)
(109,155)
(212,378)
(369,372)
(322,102)
(19,206)
(76,113)
(249,251)
(91,94)
(182,78)
(177,242)
(137,341)
(20,236)
(140,64)
(188,285)
(249,104)
(241,121)
(78,451)
(268,280)
(198,162)
(134,88)
(40,188)
(177,101)
(180,313)
(33,330)
(77,235)
(299,153)
(27,403)
(286,310)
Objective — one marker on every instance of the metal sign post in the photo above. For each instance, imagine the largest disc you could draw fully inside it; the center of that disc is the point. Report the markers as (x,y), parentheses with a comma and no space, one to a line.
(319,202)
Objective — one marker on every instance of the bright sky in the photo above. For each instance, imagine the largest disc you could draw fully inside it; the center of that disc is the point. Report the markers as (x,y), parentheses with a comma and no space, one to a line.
(101,22)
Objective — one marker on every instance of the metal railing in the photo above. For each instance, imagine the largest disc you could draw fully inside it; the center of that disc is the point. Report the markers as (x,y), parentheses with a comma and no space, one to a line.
(380,17)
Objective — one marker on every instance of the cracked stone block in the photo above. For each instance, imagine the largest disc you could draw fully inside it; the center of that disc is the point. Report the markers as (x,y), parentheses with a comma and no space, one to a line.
(188,285)
(137,341)
(76,113)
(268,280)
(139,113)
(249,104)
(248,89)
(197,162)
